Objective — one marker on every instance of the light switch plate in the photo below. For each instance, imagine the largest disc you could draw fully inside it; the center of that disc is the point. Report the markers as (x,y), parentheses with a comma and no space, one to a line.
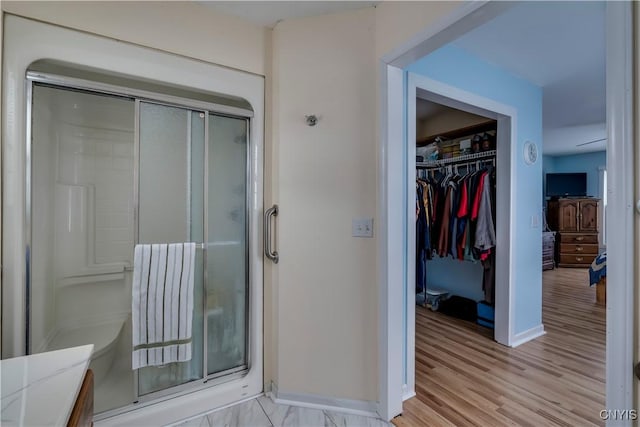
(362,227)
(535,221)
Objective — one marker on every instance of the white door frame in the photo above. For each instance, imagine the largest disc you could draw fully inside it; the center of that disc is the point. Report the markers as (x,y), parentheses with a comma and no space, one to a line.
(435,91)
(620,205)
(392,215)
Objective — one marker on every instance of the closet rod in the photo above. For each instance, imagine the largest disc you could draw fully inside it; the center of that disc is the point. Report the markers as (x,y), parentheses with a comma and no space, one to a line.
(456,160)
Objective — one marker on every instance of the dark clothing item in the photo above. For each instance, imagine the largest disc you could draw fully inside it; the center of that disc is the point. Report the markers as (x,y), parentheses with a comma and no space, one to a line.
(443,241)
(489,277)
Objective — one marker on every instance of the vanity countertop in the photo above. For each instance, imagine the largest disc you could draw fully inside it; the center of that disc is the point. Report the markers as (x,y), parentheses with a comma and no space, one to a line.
(41,389)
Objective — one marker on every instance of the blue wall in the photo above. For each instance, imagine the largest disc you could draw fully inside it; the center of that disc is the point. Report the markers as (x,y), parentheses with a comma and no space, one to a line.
(587,162)
(458,68)
(548,166)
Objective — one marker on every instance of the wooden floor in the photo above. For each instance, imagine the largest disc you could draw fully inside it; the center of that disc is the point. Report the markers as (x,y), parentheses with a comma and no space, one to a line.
(464,378)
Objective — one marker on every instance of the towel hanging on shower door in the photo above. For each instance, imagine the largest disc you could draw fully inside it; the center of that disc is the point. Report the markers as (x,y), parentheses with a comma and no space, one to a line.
(162,303)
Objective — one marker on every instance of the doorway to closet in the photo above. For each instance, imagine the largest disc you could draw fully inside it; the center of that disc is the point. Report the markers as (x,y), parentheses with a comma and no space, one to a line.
(462,140)
(455,213)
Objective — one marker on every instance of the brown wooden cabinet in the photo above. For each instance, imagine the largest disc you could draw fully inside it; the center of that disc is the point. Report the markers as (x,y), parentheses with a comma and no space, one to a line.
(576,221)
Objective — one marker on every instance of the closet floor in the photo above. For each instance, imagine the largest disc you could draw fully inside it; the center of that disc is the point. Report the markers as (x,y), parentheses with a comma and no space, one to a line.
(464,378)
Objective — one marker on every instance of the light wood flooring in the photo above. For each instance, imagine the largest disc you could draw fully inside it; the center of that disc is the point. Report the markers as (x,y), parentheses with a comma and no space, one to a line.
(464,378)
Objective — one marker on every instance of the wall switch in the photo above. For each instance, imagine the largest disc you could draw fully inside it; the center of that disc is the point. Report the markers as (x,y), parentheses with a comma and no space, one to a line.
(535,221)
(362,227)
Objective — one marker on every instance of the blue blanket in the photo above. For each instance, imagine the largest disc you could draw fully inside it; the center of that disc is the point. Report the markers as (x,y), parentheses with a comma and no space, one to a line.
(598,269)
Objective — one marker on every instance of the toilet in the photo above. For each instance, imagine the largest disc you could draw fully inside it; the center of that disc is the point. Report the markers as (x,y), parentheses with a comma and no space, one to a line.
(103,336)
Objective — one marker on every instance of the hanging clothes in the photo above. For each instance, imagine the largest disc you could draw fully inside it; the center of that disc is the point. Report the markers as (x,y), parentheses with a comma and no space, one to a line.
(455,216)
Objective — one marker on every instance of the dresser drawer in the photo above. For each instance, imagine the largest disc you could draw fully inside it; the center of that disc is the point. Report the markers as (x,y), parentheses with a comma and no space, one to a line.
(579,238)
(571,248)
(576,259)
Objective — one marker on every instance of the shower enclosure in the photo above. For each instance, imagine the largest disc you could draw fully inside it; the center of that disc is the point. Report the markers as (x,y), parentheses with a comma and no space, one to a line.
(109,167)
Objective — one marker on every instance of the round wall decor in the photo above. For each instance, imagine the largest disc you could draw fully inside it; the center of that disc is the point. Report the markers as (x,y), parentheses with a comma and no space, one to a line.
(530,152)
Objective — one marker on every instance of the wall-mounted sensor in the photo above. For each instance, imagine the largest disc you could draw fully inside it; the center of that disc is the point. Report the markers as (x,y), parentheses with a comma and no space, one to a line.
(311,120)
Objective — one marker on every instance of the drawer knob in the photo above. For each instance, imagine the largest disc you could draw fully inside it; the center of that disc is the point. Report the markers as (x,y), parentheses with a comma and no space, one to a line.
(579,248)
(580,239)
(579,258)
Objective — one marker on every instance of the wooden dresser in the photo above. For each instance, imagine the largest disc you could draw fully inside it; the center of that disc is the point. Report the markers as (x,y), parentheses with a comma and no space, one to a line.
(548,250)
(576,221)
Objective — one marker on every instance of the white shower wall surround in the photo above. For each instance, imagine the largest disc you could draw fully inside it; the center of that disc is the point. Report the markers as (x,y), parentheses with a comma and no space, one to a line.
(82,229)
(82,171)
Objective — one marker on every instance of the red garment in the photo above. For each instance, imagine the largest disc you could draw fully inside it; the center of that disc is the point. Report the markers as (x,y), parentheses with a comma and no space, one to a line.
(463,210)
(477,197)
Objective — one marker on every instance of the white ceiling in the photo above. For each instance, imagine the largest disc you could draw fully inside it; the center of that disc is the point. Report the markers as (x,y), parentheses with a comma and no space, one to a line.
(269,13)
(559,46)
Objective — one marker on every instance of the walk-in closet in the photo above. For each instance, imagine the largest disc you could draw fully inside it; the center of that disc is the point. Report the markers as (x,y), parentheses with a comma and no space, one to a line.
(455,213)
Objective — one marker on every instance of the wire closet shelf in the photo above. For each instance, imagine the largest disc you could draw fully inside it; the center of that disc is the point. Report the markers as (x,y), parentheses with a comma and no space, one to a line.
(485,155)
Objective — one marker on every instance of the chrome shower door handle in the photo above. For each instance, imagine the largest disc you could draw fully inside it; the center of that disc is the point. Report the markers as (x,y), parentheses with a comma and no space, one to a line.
(271,254)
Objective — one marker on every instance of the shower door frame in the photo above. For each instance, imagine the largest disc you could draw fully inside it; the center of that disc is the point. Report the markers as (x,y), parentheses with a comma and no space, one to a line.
(188,105)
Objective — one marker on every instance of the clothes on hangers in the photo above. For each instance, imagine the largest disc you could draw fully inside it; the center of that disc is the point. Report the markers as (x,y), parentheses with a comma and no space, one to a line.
(425,214)
(455,216)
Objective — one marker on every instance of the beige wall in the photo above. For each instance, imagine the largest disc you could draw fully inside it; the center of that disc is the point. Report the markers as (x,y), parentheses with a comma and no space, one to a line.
(398,22)
(327,316)
(327,294)
(181,27)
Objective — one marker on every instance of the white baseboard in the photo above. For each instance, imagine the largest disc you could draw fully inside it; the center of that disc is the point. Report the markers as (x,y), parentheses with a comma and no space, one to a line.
(527,335)
(408,395)
(408,392)
(325,403)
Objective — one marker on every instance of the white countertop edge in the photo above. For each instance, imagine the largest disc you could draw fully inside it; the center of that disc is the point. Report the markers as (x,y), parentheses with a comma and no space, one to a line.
(41,389)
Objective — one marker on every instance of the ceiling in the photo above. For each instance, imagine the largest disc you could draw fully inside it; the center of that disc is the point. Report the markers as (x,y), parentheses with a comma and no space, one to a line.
(269,13)
(559,46)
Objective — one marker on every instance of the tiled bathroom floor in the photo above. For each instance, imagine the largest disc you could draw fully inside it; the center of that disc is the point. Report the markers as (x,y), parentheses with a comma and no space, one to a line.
(263,412)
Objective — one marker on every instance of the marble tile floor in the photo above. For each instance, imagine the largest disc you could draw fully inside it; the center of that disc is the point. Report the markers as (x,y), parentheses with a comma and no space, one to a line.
(263,412)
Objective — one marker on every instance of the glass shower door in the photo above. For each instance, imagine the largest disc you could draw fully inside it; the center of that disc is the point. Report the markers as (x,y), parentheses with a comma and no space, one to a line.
(193,187)
(227,250)
(171,210)
(109,170)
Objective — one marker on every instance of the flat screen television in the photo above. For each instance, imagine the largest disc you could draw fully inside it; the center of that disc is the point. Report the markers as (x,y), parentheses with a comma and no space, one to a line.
(566,184)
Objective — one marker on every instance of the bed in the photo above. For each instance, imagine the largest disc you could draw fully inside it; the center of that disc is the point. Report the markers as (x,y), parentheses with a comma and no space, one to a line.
(598,277)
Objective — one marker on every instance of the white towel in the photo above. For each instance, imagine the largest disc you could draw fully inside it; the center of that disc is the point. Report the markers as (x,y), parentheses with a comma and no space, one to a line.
(162,303)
